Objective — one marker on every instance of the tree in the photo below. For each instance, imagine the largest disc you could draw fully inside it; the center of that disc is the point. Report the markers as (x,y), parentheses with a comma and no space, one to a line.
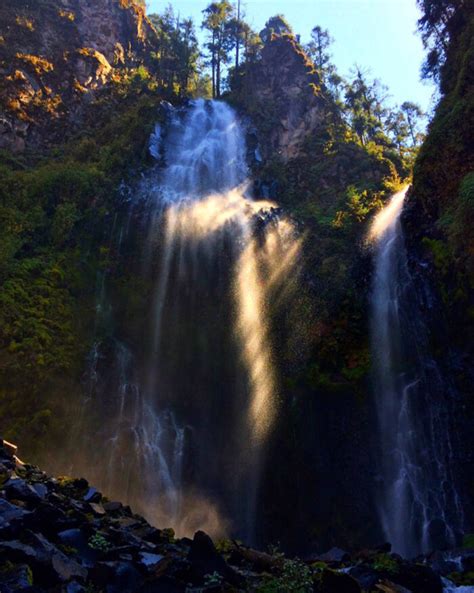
(365,101)
(412,113)
(318,46)
(397,129)
(276,25)
(178,51)
(440,22)
(216,20)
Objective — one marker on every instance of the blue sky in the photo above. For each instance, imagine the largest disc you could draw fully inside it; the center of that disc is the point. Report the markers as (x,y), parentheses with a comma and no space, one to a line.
(377,34)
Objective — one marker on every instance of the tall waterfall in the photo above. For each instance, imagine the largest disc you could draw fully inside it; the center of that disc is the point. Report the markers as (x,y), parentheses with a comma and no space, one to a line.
(178,427)
(418,504)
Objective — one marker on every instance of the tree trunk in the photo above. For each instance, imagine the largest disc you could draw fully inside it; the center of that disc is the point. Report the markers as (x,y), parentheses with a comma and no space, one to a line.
(237,36)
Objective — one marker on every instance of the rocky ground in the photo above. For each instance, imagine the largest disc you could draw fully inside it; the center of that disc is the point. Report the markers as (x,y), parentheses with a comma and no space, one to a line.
(62,535)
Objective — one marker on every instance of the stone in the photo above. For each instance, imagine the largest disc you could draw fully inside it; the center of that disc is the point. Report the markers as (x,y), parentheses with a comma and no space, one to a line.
(164,585)
(151,561)
(389,587)
(17,578)
(67,568)
(92,495)
(116,577)
(10,512)
(8,447)
(332,582)
(334,555)
(205,560)
(77,539)
(40,489)
(416,578)
(366,576)
(18,489)
(74,587)
(97,508)
(112,506)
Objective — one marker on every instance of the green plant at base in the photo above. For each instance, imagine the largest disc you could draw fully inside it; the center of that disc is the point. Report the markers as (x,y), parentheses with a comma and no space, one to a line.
(384,563)
(98,542)
(295,577)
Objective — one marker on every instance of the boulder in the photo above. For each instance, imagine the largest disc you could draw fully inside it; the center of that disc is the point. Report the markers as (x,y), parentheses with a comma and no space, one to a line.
(18,489)
(8,447)
(205,560)
(389,587)
(18,578)
(115,577)
(331,581)
(416,578)
(334,556)
(10,512)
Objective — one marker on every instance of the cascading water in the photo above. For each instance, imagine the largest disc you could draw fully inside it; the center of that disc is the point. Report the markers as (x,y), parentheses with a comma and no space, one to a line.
(418,503)
(181,420)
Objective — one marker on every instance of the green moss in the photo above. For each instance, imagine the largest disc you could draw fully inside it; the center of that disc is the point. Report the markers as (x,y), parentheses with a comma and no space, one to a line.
(385,563)
(468,541)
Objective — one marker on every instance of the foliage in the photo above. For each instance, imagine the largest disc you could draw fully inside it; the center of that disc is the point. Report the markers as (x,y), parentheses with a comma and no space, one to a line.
(468,541)
(295,577)
(98,542)
(439,24)
(212,579)
(385,563)
(217,19)
(177,55)
(276,25)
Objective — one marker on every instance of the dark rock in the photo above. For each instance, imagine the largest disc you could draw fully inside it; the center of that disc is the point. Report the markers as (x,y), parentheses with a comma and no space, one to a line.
(112,507)
(92,495)
(97,508)
(336,582)
(334,555)
(416,578)
(205,560)
(389,587)
(10,512)
(18,489)
(458,560)
(365,575)
(40,489)
(74,587)
(9,448)
(17,578)
(116,577)
(163,585)
(77,539)
(66,568)
(150,561)
(48,519)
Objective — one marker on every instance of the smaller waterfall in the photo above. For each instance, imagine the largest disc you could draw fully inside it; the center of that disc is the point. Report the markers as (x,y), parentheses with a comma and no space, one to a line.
(418,503)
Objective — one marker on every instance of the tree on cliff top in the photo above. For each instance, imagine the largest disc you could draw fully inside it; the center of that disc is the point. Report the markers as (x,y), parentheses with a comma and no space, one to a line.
(276,25)
(440,23)
(216,21)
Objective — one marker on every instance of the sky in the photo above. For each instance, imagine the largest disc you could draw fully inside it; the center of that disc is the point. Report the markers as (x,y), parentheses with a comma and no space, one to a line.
(379,35)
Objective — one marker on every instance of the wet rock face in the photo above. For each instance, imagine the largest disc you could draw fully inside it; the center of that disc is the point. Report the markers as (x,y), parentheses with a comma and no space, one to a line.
(284,91)
(55,55)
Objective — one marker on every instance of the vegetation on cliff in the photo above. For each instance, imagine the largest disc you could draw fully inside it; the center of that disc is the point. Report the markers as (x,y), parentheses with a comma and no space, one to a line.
(77,111)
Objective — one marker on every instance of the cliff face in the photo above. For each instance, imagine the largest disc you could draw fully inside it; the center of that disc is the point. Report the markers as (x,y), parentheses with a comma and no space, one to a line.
(282,94)
(56,56)
(439,229)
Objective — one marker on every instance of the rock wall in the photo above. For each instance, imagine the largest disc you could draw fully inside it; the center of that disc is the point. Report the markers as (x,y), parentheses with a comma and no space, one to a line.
(54,58)
(282,94)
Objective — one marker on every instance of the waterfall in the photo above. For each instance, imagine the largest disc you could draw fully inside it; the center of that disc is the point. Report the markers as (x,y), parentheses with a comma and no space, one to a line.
(177,424)
(418,504)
